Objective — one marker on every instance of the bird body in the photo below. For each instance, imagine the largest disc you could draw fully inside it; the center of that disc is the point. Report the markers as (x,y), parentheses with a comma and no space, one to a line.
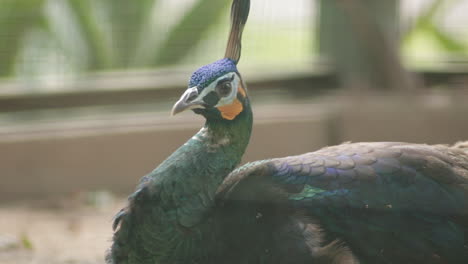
(384,202)
(352,203)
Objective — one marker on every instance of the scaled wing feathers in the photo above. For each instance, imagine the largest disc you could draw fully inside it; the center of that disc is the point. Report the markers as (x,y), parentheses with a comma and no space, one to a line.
(375,175)
(393,202)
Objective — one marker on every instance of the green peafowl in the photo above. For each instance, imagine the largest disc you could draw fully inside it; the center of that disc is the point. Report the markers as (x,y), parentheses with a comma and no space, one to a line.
(352,203)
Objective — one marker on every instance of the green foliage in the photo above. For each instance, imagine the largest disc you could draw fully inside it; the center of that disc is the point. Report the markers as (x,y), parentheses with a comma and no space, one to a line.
(187,33)
(427,34)
(16,16)
(26,242)
(53,36)
(100,34)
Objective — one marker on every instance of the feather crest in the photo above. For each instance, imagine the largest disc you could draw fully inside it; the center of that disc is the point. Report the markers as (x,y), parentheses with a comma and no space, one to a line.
(239,14)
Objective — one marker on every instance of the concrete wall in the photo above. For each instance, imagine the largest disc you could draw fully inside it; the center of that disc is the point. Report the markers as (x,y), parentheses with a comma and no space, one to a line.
(49,160)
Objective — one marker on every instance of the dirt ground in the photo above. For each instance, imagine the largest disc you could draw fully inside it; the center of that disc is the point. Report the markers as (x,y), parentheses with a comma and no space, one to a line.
(70,231)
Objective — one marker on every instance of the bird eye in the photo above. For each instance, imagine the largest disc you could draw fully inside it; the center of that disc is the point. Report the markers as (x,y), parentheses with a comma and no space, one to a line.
(224,88)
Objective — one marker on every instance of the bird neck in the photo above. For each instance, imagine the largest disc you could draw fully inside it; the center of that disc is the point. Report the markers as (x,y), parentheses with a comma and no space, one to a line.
(191,175)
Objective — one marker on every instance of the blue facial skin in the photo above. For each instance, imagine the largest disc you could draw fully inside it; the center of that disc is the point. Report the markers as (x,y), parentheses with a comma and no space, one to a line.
(208,73)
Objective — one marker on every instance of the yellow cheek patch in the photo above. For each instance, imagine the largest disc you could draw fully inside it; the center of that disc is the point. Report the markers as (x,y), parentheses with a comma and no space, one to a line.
(230,112)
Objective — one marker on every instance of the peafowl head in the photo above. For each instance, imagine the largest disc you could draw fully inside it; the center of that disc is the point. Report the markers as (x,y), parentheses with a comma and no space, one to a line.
(215,91)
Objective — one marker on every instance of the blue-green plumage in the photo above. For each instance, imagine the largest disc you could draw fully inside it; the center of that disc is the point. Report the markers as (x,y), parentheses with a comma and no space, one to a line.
(384,202)
(165,221)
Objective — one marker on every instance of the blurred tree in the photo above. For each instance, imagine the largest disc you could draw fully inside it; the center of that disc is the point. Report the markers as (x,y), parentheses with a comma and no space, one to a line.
(100,34)
(361,38)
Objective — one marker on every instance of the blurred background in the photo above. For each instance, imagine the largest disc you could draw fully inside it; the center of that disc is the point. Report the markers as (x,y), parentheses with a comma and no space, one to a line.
(86,87)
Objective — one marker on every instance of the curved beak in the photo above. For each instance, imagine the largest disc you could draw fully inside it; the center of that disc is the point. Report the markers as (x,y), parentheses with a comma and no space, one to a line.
(187,101)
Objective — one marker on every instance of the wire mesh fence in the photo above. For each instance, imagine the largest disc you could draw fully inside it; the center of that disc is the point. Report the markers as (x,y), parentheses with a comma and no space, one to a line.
(51,40)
